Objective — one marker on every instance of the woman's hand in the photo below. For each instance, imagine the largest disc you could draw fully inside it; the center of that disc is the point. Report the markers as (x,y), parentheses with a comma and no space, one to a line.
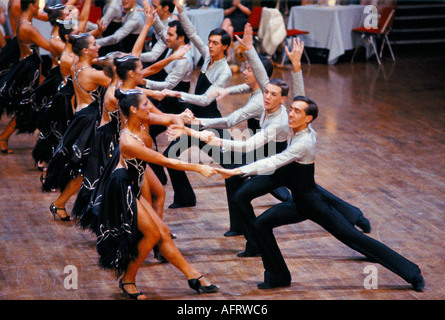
(206,171)
(187,116)
(171,93)
(227,173)
(175,131)
(206,136)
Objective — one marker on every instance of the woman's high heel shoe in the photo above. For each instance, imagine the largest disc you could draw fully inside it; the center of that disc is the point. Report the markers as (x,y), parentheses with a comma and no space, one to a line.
(54,210)
(195,284)
(7,150)
(131,295)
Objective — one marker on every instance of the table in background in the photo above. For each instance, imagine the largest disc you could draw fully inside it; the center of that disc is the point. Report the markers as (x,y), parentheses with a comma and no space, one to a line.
(330,27)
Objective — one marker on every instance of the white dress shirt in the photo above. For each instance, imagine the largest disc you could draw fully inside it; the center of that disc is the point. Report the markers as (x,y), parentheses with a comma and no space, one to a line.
(219,73)
(160,46)
(132,23)
(301,150)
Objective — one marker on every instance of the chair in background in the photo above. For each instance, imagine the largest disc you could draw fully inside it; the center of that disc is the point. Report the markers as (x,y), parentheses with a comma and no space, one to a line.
(95,14)
(254,20)
(291,33)
(371,35)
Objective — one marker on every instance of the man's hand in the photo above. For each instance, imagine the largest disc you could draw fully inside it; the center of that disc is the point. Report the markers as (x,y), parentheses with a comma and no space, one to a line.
(247,40)
(295,54)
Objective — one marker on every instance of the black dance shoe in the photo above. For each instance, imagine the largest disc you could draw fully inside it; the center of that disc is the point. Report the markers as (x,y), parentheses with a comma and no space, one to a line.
(54,210)
(195,284)
(364,224)
(232,233)
(181,205)
(418,283)
(131,295)
(265,285)
(7,150)
(247,254)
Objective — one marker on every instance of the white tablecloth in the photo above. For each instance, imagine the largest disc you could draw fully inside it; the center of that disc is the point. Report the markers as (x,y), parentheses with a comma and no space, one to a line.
(204,20)
(330,27)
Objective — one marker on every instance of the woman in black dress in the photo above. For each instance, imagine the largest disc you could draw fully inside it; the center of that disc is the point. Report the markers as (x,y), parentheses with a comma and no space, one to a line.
(106,136)
(129,227)
(68,164)
(22,79)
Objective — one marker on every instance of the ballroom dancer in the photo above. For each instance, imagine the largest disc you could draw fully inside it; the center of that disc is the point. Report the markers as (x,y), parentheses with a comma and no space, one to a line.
(294,168)
(32,107)
(15,10)
(157,48)
(67,166)
(112,21)
(268,125)
(129,227)
(175,76)
(132,23)
(22,79)
(273,122)
(54,118)
(105,138)
(125,72)
(215,73)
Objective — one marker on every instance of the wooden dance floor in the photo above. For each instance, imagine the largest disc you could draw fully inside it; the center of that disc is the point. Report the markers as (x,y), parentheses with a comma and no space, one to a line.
(381,147)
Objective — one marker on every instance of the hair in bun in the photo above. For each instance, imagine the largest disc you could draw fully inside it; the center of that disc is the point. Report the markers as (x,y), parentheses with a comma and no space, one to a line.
(66,27)
(54,13)
(124,65)
(79,42)
(128,99)
(106,63)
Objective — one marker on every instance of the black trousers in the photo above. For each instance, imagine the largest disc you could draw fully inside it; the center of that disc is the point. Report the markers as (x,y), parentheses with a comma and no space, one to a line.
(318,205)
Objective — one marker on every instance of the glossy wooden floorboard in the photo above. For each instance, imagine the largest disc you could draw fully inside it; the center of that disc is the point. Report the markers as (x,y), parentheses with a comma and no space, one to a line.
(381,147)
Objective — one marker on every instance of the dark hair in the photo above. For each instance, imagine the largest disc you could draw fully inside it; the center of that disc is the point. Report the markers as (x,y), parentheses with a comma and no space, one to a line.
(311,109)
(179,30)
(54,13)
(107,62)
(225,37)
(128,99)
(282,84)
(65,28)
(268,65)
(125,64)
(24,4)
(79,42)
(169,3)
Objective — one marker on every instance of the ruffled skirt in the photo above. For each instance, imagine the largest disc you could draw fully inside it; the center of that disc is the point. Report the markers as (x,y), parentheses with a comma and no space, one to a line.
(102,151)
(19,84)
(118,235)
(72,154)
(52,123)
(33,107)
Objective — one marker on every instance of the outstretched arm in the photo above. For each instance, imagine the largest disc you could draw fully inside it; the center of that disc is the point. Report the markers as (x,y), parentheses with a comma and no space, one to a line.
(295,59)
(149,21)
(158,66)
(130,148)
(252,57)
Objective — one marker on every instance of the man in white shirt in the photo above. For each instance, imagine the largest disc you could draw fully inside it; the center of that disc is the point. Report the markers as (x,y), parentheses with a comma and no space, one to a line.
(215,74)
(164,10)
(132,23)
(274,128)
